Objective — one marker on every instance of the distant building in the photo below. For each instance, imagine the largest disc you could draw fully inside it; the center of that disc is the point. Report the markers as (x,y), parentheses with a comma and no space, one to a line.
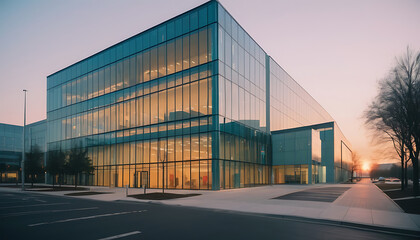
(193,103)
(11,147)
(385,166)
(10,152)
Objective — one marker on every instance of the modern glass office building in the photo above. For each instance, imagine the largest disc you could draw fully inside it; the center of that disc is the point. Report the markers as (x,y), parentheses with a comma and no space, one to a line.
(186,104)
(11,147)
(10,152)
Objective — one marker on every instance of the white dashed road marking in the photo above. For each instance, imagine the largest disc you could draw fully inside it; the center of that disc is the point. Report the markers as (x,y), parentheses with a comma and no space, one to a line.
(35,205)
(45,211)
(84,218)
(121,235)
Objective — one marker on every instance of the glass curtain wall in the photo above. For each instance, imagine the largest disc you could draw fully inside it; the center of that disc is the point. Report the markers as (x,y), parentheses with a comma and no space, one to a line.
(297,174)
(143,107)
(243,137)
(290,105)
(342,156)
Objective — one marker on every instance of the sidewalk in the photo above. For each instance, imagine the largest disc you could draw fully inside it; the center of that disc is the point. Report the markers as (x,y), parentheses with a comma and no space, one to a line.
(363,203)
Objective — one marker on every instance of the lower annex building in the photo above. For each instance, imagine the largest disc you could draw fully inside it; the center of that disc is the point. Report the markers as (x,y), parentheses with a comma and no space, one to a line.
(197,100)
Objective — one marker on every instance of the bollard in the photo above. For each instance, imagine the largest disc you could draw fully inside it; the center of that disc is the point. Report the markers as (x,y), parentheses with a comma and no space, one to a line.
(126,190)
(144,187)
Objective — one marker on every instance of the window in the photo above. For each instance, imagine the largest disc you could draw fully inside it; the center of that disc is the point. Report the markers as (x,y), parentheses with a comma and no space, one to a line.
(202,43)
(107,81)
(171,149)
(203,97)
(171,57)
(186,147)
(193,49)
(146,151)
(162,106)
(154,108)
(186,175)
(178,104)
(178,148)
(146,113)
(195,174)
(133,113)
(204,146)
(126,121)
(186,100)
(178,56)
(139,78)
(146,66)
(101,82)
(194,99)
(153,150)
(162,60)
(185,52)
(119,79)
(204,175)
(171,104)
(132,75)
(153,64)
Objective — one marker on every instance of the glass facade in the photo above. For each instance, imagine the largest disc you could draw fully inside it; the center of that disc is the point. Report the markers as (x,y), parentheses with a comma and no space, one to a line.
(10,145)
(36,134)
(342,156)
(244,140)
(290,105)
(184,103)
(143,105)
(322,148)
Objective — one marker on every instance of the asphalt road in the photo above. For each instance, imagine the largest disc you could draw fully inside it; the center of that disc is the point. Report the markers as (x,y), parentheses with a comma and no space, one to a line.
(28,215)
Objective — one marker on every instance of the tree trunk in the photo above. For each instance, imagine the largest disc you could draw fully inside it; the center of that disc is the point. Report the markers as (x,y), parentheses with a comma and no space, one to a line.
(402,167)
(402,170)
(75,180)
(406,174)
(60,175)
(415,162)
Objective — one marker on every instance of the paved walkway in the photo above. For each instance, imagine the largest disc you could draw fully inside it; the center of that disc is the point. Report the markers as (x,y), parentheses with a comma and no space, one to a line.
(363,203)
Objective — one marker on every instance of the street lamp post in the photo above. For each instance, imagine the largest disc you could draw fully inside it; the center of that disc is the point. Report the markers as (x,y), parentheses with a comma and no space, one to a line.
(23,141)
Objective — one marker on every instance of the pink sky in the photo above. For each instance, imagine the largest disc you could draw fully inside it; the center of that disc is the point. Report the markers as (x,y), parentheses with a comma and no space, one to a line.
(336,50)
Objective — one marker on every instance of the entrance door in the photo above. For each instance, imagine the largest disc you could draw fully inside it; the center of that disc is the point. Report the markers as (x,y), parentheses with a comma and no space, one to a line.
(142,178)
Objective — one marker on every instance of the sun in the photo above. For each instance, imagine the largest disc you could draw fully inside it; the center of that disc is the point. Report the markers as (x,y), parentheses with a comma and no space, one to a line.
(366,167)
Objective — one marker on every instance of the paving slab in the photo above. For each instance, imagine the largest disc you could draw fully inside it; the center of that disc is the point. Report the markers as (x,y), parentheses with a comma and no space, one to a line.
(389,219)
(359,215)
(336,213)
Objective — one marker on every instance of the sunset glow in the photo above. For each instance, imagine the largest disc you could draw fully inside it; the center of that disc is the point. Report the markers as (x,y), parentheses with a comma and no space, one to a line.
(366,167)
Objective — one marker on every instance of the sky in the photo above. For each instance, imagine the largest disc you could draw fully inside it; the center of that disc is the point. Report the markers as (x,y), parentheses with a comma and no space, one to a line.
(336,50)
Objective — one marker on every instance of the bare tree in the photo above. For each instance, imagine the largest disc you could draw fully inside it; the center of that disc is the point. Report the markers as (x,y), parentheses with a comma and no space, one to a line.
(395,111)
(78,163)
(56,164)
(33,165)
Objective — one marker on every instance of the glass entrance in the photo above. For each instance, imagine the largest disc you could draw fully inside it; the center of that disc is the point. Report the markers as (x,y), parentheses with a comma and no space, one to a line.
(142,179)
